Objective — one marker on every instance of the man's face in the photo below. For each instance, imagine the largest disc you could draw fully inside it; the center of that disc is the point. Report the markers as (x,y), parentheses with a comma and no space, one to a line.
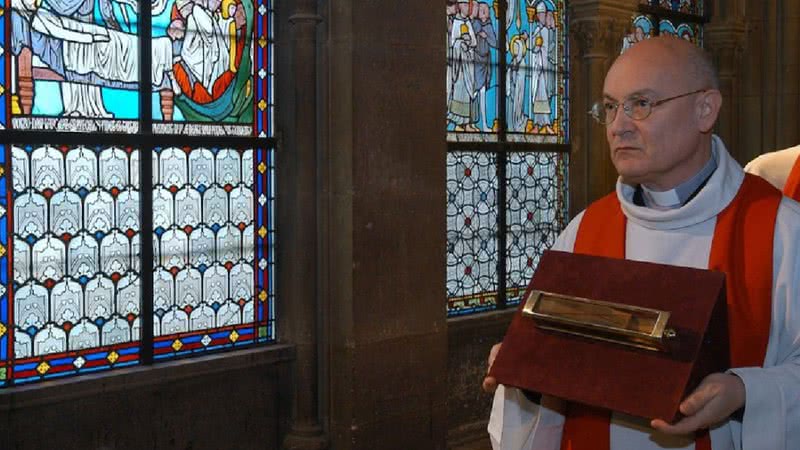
(483,12)
(658,150)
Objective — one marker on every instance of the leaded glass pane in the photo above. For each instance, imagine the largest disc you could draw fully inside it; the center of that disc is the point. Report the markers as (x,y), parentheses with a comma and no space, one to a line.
(684,6)
(472,71)
(208,272)
(76,301)
(641,28)
(536,79)
(22,255)
(536,212)
(689,31)
(75,65)
(221,81)
(471,232)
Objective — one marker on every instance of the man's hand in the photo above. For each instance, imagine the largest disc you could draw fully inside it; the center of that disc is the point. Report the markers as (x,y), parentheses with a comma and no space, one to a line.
(717,397)
(489,383)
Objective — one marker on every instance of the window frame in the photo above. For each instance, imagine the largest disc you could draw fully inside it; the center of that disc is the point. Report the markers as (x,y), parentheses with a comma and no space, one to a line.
(501,148)
(145,141)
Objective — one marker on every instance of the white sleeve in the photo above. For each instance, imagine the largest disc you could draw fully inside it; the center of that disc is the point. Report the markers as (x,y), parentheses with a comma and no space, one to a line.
(772,393)
(515,422)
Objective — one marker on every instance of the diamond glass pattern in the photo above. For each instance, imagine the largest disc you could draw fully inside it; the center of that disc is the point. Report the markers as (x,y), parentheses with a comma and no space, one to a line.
(75,259)
(471,232)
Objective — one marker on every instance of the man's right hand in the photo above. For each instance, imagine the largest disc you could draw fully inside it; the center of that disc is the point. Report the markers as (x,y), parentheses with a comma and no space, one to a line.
(490,383)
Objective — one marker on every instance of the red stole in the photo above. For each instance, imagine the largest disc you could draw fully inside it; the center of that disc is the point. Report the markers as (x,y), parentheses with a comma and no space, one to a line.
(741,247)
(792,187)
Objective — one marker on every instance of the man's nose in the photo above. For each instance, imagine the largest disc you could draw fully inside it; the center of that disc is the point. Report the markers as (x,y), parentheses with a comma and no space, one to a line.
(621,124)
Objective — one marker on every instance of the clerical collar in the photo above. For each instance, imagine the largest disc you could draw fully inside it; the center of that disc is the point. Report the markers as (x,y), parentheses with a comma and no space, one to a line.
(681,194)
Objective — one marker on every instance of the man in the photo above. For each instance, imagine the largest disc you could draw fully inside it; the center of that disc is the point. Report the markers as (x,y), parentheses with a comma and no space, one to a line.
(461,47)
(681,199)
(487,39)
(541,119)
(781,169)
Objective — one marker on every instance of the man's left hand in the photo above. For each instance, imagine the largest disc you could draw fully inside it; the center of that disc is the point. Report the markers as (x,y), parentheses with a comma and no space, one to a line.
(717,397)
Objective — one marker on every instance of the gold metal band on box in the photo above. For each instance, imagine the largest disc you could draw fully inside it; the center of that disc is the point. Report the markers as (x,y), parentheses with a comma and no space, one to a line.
(634,326)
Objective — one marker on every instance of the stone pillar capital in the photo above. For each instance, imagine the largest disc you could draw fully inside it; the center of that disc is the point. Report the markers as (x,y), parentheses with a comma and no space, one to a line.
(599,37)
(599,25)
(727,39)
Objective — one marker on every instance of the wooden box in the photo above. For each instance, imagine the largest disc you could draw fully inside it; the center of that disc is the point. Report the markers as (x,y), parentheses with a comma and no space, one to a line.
(587,363)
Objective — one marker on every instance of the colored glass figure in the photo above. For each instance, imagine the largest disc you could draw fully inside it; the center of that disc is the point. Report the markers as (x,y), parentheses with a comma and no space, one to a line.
(536,213)
(221,68)
(665,27)
(536,78)
(641,28)
(75,65)
(206,263)
(76,294)
(471,232)
(691,32)
(472,71)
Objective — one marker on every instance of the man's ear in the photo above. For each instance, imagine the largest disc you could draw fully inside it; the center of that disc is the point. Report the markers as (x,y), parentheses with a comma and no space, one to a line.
(708,107)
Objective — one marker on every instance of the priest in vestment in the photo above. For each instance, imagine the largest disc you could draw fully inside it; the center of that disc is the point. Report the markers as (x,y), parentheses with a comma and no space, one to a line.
(781,168)
(681,199)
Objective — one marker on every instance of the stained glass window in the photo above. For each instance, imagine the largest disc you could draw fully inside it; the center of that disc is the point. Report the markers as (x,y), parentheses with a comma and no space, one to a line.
(77,294)
(471,232)
(205,220)
(75,260)
(680,18)
(507,90)
(75,65)
(220,82)
(535,72)
(683,6)
(536,211)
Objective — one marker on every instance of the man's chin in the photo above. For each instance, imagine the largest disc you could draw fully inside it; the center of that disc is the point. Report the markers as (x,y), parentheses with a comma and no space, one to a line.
(630,177)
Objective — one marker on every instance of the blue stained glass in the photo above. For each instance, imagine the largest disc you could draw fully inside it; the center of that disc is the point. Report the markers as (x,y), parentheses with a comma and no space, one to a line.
(536,213)
(64,269)
(471,222)
(214,287)
(211,83)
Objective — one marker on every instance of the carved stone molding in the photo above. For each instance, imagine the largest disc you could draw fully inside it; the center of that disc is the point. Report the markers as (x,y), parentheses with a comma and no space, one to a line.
(727,41)
(599,37)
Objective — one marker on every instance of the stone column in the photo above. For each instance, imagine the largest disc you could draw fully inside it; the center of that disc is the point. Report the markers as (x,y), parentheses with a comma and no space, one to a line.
(724,38)
(300,293)
(384,175)
(788,132)
(597,28)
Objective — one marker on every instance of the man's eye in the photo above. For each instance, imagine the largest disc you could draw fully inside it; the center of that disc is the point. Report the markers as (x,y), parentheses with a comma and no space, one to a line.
(608,106)
(641,103)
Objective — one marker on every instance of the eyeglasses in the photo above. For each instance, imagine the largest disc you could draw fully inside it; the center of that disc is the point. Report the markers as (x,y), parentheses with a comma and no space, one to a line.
(637,108)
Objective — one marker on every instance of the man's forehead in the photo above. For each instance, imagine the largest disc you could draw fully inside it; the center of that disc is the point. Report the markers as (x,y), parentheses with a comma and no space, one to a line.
(649,93)
(628,78)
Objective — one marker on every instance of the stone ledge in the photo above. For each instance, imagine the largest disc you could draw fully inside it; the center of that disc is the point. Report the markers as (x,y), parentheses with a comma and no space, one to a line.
(54,391)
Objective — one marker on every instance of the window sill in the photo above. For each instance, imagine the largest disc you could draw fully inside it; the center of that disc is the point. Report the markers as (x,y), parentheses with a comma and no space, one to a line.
(81,386)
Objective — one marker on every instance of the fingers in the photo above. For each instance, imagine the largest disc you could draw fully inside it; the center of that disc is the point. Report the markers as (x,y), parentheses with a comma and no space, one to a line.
(686,425)
(697,400)
(712,402)
(489,384)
